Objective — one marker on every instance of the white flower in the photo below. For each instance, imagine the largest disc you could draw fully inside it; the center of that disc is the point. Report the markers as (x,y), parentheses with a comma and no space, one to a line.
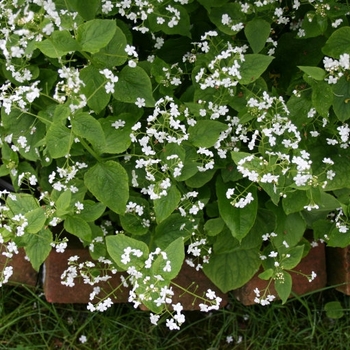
(269,178)
(118,124)
(285,244)
(313,276)
(48,29)
(107,7)
(60,248)
(203,307)
(229,339)
(226,19)
(33,180)
(266,237)
(83,339)
(229,193)
(109,87)
(328,161)
(160,20)
(140,102)
(177,307)
(210,294)
(79,206)
(170,323)
(301,180)
(154,318)
(273,254)
(342,228)
(167,267)
(131,51)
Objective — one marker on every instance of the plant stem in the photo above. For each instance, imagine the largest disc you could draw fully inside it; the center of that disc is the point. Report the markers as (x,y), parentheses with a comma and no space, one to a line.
(90,150)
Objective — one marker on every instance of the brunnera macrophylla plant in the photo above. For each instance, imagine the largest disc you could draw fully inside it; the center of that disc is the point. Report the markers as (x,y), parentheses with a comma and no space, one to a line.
(162,132)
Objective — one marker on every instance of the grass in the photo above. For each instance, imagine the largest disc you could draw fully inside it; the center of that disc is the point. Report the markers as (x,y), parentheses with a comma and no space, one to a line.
(27,321)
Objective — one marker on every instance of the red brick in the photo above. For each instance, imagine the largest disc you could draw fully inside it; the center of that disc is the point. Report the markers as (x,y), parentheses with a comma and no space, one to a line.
(338,268)
(55,292)
(23,273)
(314,261)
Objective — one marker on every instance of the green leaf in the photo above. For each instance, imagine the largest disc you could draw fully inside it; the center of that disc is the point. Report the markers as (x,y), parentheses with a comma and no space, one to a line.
(94,89)
(338,43)
(342,169)
(78,227)
(116,246)
(283,286)
(16,121)
(59,44)
(172,228)
(341,100)
(38,247)
(200,178)
(257,32)
(36,220)
(63,203)
(253,67)
(165,205)
(63,41)
(334,309)
(238,220)
(214,226)
(113,54)
(134,83)
(108,182)
(21,203)
(48,48)
(295,202)
(337,238)
(270,189)
(233,10)
(86,9)
(314,72)
(86,126)
(265,222)
(296,254)
(59,140)
(92,210)
(322,98)
(212,3)
(176,255)
(326,201)
(230,271)
(299,108)
(205,133)
(95,34)
(266,275)
(290,228)
(118,140)
(61,114)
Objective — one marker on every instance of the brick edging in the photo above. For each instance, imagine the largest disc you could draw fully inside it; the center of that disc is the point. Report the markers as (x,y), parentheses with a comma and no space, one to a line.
(335,264)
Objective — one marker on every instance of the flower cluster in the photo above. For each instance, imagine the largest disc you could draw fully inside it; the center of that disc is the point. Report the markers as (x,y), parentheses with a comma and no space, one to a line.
(87,271)
(336,68)
(279,259)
